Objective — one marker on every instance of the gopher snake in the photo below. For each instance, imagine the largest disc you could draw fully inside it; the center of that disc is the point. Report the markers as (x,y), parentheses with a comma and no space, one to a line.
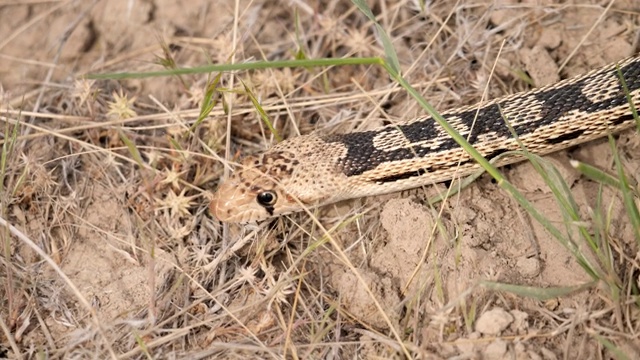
(314,170)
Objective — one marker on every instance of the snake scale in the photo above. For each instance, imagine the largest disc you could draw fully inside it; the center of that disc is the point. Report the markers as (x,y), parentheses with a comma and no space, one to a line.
(315,169)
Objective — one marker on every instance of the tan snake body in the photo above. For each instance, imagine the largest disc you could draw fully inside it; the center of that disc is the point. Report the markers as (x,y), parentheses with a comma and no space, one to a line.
(314,170)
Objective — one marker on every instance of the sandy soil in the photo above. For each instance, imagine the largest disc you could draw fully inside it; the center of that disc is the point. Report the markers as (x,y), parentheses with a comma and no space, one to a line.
(131,265)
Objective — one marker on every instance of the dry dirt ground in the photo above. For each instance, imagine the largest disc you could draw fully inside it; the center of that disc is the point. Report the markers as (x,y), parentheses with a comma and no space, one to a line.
(112,252)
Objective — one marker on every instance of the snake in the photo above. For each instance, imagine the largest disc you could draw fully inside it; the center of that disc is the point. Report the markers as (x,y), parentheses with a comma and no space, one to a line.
(318,169)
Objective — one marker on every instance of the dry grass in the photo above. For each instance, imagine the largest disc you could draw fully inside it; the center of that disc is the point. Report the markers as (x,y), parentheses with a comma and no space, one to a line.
(108,248)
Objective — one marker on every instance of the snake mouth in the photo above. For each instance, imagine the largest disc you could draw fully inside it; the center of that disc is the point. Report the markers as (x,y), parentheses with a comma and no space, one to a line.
(227,204)
(228,211)
(218,209)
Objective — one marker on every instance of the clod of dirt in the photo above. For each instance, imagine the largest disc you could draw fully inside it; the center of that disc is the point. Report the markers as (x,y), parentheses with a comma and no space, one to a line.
(520,323)
(528,267)
(550,38)
(409,227)
(496,350)
(540,66)
(468,347)
(355,298)
(494,321)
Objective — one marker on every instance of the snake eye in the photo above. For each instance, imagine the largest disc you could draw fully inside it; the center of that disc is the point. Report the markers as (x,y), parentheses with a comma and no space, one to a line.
(266,198)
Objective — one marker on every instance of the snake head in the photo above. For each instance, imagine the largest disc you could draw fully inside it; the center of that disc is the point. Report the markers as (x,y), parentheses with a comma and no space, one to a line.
(289,177)
(251,193)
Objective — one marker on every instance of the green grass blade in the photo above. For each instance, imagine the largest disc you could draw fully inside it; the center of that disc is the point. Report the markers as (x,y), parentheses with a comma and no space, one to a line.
(133,149)
(632,106)
(570,211)
(541,294)
(7,150)
(390,53)
(629,200)
(263,114)
(456,186)
(208,102)
(254,65)
(616,351)
(299,55)
(600,176)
